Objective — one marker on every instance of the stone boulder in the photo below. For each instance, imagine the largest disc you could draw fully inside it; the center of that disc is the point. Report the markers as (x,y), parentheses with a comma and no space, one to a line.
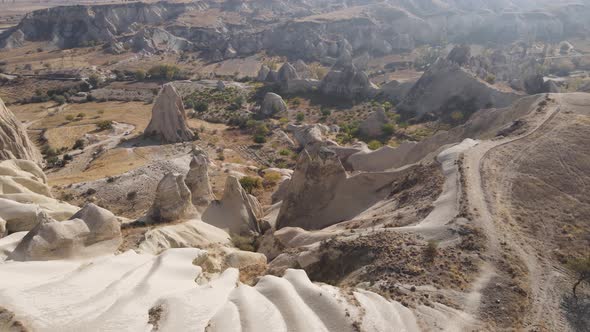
(90,232)
(237,212)
(460,54)
(347,83)
(321,193)
(14,141)
(306,135)
(169,117)
(263,73)
(173,200)
(287,73)
(272,104)
(373,124)
(197,180)
(25,195)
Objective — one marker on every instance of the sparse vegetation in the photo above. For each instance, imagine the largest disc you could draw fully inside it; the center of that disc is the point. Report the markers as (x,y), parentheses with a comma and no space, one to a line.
(105,125)
(251,183)
(581,268)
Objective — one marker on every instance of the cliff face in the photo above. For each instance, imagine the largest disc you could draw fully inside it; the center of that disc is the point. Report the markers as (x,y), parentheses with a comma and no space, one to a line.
(14,142)
(73,26)
(321,30)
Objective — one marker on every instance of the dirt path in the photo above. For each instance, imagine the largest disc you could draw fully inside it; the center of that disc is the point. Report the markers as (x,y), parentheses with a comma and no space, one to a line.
(486,212)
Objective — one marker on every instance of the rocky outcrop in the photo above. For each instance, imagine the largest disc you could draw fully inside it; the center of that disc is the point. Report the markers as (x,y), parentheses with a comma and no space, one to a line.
(14,141)
(173,200)
(272,104)
(348,83)
(92,231)
(237,212)
(25,197)
(169,117)
(263,73)
(321,193)
(307,135)
(287,73)
(74,26)
(157,40)
(197,180)
(432,93)
(373,124)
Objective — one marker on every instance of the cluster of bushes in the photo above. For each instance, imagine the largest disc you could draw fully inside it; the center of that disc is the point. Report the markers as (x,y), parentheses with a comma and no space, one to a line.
(251,183)
(230,98)
(166,72)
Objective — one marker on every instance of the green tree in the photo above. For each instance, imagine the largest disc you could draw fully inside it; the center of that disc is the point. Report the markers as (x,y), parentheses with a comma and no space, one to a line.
(140,75)
(581,267)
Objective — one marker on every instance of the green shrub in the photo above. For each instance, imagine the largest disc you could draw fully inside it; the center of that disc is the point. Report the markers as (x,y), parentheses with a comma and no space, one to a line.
(201,107)
(259,139)
(80,115)
(168,72)
(79,144)
(140,75)
(431,251)
(105,124)
(59,99)
(388,129)
(300,117)
(245,243)
(581,267)
(250,183)
(285,152)
(374,145)
(69,117)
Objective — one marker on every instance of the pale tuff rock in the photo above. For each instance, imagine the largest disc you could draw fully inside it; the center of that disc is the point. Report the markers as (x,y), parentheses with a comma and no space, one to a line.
(2,228)
(90,232)
(173,200)
(347,82)
(169,117)
(191,234)
(373,125)
(321,193)
(14,142)
(308,134)
(272,104)
(24,194)
(237,212)
(432,92)
(197,180)
(263,73)
(155,40)
(287,73)
(168,280)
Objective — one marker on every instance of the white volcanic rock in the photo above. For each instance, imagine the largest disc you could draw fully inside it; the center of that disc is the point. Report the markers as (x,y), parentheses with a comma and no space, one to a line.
(432,93)
(191,234)
(287,73)
(92,231)
(24,194)
(197,180)
(14,142)
(263,73)
(347,82)
(169,117)
(2,228)
(321,193)
(272,104)
(373,124)
(117,293)
(308,134)
(173,200)
(237,212)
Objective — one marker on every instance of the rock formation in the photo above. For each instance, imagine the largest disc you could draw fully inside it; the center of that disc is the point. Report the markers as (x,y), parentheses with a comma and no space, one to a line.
(237,212)
(347,82)
(263,73)
(25,196)
(173,200)
(287,73)
(272,104)
(169,117)
(90,232)
(197,180)
(373,124)
(433,94)
(14,142)
(307,135)
(321,193)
